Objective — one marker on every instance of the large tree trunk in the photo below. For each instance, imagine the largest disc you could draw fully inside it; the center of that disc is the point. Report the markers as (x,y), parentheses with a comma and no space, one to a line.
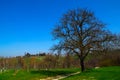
(82,65)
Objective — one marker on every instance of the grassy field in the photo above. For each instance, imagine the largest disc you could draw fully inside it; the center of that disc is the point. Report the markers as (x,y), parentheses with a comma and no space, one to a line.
(34,74)
(105,73)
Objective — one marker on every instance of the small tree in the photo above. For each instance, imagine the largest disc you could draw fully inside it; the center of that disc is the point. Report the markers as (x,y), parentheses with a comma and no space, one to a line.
(80,32)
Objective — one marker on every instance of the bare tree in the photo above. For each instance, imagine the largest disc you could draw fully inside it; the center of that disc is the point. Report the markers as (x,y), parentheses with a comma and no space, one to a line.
(80,32)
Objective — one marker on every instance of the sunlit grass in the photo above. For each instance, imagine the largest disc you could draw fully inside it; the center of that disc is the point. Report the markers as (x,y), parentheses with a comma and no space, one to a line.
(105,73)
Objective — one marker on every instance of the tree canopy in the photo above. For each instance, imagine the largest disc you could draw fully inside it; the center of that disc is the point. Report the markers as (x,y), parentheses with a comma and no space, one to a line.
(80,32)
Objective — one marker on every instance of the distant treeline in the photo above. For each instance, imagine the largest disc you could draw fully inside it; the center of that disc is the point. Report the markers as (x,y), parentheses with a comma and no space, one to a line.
(29,55)
(39,61)
(51,61)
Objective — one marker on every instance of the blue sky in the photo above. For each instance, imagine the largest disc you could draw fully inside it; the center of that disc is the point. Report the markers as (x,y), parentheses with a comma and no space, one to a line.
(25,25)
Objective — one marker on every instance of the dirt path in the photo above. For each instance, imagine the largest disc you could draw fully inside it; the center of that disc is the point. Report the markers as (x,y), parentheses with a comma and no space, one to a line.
(58,77)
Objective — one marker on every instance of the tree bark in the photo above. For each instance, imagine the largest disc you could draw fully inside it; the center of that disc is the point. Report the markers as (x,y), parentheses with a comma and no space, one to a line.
(82,65)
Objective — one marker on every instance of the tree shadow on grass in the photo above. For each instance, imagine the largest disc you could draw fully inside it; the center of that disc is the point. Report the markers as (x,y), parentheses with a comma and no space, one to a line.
(51,72)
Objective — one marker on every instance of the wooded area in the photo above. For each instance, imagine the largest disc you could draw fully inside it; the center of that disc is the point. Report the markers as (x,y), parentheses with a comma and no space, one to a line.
(52,61)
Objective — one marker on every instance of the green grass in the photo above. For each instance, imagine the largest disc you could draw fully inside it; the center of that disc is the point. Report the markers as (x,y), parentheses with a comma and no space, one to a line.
(105,73)
(34,74)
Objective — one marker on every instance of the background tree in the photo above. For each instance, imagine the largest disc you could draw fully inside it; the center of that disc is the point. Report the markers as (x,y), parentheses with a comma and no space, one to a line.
(27,60)
(80,32)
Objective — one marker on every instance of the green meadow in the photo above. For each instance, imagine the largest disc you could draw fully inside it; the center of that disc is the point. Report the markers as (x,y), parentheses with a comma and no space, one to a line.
(34,74)
(103,73)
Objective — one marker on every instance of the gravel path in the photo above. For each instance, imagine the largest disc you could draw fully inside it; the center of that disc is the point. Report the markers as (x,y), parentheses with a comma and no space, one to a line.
(58,77)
